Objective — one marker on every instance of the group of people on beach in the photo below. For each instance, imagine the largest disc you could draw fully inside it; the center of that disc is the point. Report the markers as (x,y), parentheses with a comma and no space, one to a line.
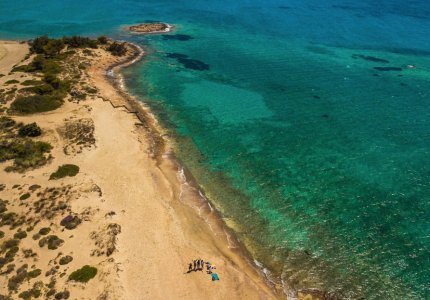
(199,265)
(196,265)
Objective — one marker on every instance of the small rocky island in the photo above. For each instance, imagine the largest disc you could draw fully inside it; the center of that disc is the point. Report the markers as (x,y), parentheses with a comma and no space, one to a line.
(150,28)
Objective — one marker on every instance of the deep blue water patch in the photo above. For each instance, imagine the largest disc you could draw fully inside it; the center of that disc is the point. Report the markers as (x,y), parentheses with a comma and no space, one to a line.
(177,37)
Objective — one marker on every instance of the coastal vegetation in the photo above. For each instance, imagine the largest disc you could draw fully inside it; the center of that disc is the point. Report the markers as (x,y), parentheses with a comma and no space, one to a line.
(64,171)
(83,274)
(117,49)
(30,130)
(51,62)
(16,145)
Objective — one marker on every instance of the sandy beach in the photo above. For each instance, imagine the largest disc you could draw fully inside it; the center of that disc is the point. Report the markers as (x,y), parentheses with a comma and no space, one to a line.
(141,222)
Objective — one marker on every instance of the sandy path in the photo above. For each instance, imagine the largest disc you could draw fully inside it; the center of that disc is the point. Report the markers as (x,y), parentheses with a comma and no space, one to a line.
(11,53)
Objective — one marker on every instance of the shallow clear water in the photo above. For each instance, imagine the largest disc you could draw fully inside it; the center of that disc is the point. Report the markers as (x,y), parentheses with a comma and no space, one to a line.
(317,159)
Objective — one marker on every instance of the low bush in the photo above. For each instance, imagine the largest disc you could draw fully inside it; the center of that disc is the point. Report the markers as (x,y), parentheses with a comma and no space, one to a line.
(6,122)
(65,260)
(44,230)
(83,274)
(30,82)
(102,40)
(117,49)
(70,222)
(10,244)
(65,170)
(24,196)
(12,81)
(34,273)
(80,42)
(20,235)
(26,154)
(30,130)
(52,241)
(15,281)
(34,187)
(36,103)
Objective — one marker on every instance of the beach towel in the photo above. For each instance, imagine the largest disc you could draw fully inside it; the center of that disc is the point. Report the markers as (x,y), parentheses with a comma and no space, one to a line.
(214,276)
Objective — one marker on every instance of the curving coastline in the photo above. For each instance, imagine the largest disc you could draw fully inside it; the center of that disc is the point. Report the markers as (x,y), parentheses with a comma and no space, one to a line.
(191,201)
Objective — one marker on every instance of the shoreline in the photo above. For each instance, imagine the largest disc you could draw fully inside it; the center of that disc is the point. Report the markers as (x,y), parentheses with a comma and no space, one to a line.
(163,153)
(134,227)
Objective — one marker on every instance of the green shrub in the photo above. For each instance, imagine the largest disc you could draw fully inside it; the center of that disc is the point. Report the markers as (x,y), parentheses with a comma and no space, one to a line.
(36,46)
(36,103)
(24,196)
(83,274)
(15,281)
(65,260)
(102,40)
(80,42)
(26,154)
(117,49)
(20,235)
(6,122)
(62,295)
(30,82)
(65,170)
(52,241)
(40,64)
(44,230)
(34,187)
(53,48)
(34,273)
(10,244)
(1,234)
(12,81)
(30,130)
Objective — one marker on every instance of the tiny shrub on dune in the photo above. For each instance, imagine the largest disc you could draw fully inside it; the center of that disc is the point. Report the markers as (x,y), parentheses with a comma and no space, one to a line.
(52,241)
(24,196)
(65,260)
(30,130)
(65,170)
(12,81)
(44,230)
(20,235)
(30,82)
(83,274)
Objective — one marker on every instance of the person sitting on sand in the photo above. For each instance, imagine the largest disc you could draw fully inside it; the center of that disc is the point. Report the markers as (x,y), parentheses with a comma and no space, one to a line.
(198,264)
(190,267)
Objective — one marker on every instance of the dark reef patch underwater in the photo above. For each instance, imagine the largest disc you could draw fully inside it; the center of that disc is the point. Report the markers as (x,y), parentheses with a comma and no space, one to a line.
(189,63)
(177,37)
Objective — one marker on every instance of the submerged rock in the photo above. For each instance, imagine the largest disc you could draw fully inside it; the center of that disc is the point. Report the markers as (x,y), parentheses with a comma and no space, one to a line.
(387,69)
(189,63)
(370,58)
(177,37)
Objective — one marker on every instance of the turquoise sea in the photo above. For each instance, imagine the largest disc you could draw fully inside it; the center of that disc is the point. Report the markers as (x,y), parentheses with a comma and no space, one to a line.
(306,122)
